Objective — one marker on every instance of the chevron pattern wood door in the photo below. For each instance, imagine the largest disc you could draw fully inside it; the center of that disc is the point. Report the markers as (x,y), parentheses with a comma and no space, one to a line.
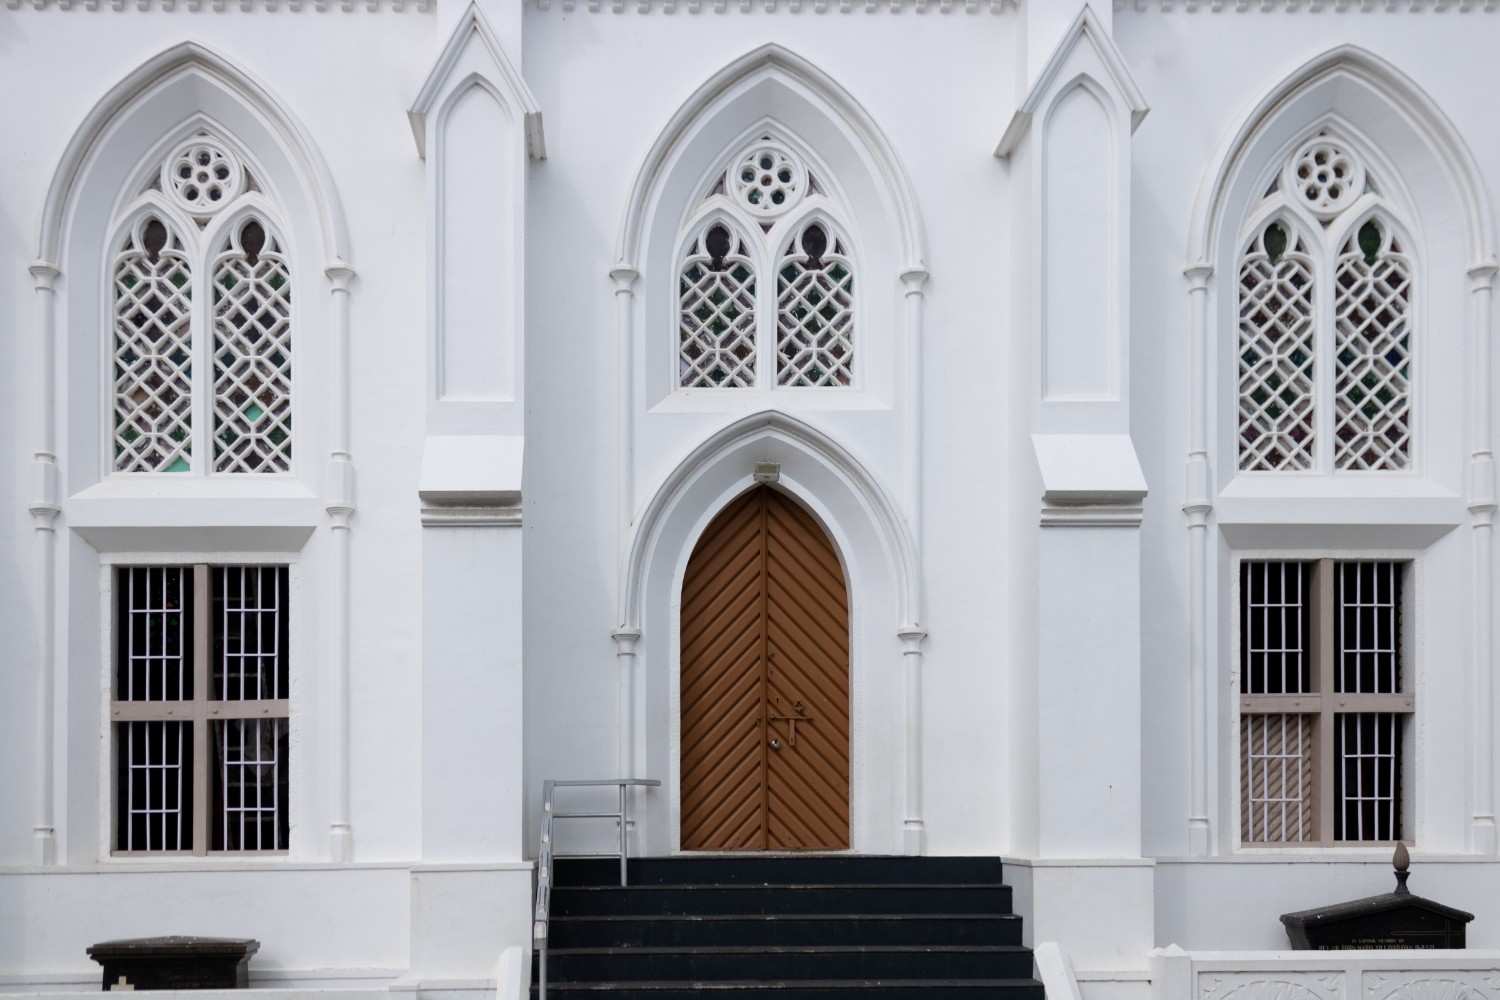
(765,683)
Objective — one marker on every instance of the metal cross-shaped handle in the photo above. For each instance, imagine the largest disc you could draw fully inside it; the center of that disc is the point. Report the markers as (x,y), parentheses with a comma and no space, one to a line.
(799,711)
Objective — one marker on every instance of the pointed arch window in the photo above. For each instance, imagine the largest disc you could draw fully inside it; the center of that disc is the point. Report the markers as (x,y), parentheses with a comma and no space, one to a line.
(1325,348)
(202,343)
(766,279)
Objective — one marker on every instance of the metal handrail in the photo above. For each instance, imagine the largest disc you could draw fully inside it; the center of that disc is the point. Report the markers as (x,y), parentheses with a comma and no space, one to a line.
(542,889)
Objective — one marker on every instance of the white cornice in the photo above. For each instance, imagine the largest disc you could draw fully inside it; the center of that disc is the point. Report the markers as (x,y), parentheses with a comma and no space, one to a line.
(221,6)
(780,6)
(464,515)
(1112,515)
(1307,6)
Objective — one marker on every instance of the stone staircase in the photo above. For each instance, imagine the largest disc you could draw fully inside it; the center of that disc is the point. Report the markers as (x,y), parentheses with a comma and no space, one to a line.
(786,927)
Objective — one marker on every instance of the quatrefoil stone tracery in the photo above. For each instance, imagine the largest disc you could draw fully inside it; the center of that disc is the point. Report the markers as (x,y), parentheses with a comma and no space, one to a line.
(768,180)
(1325,175)
(202,176)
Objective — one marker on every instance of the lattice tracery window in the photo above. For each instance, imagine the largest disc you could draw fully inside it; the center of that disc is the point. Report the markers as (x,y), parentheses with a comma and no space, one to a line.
(1324,346)
(153,350)
(201,389)
(1276,352)
(717,299)
(1372,286)
(738,329)
(814,310)
(252,309)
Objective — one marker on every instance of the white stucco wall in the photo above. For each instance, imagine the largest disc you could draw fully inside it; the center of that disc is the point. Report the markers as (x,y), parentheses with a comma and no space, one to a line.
(937,87)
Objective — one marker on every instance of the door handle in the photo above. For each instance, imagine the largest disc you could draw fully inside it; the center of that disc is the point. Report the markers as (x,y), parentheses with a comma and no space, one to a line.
(799,714)
(775,743)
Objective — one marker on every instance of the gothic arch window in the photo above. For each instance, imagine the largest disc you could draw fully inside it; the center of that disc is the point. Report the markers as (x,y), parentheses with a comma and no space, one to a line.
(716,295)
(766,279)
(201,308)
(1325,285)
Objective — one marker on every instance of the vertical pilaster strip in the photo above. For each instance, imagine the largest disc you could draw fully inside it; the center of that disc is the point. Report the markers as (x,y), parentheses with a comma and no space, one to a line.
(339,503)
(914,828)
(44,507)
(1198,505)
(914,285)
(625,651)
(622,280)
(1482,504)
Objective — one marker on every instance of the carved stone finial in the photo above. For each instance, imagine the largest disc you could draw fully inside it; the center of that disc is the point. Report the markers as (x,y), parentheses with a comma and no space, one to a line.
(1401,861)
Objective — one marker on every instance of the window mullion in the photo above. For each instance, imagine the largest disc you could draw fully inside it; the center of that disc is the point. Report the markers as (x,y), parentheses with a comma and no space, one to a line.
(768,292)
(201,758)
(202,351)
(1323,670)
(1325,401)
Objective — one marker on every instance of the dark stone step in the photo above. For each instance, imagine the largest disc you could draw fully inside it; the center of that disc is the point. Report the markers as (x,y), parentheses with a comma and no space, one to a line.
(810,929)
(874,989)
(761,869)
(717,964)
(781,899)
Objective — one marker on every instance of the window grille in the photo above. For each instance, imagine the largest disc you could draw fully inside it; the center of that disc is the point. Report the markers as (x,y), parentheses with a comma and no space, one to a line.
(738,331)
(1324,701)
(717,299)
(1373,352)
(815,310)
(1276,352)
(1324,311)
(252,319)
(153,351)
(239,402)
(200,709)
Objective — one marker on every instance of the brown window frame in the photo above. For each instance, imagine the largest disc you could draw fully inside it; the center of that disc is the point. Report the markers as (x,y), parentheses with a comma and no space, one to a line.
(1322,706)
(200,712)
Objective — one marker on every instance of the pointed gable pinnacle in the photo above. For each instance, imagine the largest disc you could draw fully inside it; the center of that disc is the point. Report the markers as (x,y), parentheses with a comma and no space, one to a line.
(1085,27)
(474,28)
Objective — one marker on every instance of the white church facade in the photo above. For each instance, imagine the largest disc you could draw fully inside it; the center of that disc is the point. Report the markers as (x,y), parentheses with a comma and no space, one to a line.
(1011,429)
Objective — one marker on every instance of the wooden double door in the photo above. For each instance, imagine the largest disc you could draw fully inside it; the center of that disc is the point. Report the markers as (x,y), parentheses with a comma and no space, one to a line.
(765,683)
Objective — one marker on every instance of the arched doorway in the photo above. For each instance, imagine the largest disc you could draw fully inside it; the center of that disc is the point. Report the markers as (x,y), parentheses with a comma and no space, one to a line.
(765,682)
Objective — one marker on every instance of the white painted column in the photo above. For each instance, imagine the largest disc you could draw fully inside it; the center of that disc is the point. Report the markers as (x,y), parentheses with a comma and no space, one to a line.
(1482,838)
(626,646)
(339,503)
(44,507)
(623,280)
(914,286)
(912,634)
(913,828)
(1198,505)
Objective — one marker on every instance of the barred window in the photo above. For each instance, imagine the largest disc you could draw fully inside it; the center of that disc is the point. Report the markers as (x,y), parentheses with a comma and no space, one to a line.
(201,390)
(200,709)
(1324,701)
(766,214)
(1324,310)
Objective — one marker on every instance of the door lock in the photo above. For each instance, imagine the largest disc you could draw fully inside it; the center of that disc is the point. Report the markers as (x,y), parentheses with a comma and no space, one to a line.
(798,714)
